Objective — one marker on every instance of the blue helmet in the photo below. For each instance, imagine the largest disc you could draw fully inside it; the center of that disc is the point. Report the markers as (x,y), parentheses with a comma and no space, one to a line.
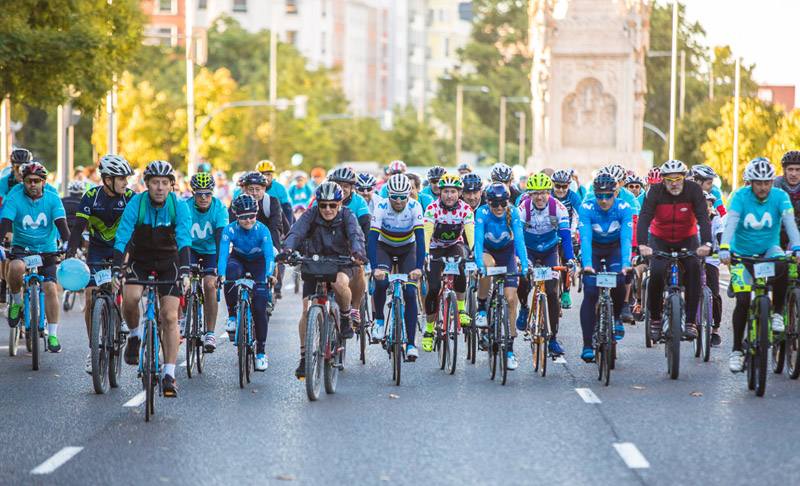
(472,182)
(497,192)
(366,180)
(328,191)
(605,183)
(253,177)
(244,204)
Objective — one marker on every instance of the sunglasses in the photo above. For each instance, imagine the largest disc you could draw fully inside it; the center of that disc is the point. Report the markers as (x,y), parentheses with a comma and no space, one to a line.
(203,194)
(604,195)
(243,217)
(561,186)
(397,197)
(635,187)
(331,205)
(364,189)
(674,179)
(498,204)
(33,180)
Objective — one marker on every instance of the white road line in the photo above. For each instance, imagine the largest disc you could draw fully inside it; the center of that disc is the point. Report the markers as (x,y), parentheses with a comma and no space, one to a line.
(560,360)
(57,460)
(588,395)
(135,401)
(631,455)
(182,364)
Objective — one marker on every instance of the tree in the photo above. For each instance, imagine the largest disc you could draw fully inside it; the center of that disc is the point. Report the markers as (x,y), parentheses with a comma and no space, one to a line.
(413,140)
(47,46)
(786,138)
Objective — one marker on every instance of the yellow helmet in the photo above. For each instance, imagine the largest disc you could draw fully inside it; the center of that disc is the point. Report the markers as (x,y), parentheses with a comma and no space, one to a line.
(265,166)
(539,182)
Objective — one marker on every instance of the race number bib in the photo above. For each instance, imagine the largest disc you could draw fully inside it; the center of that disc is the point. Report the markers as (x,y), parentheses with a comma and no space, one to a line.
(33,261)
(606,281)
(542,273)
(102,277)
(451,268)
(492,271)
(764,269)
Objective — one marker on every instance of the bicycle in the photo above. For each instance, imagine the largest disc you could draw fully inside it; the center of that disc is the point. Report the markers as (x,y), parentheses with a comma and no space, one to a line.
(394,340)
(705,318)
(195,330)
(538,329)
(471,333)
(448,323)
(365,310)
(497,318)
(324,347)
(245,332)
(790,339)
(648,338)
(604,342)
(150,351)
(107,337)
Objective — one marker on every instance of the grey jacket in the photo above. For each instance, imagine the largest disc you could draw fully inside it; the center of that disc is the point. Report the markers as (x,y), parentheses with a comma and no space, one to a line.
(311,234)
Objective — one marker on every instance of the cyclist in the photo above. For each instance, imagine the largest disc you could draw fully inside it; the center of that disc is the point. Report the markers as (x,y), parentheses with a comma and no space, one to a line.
(300,190)
(251,251)
(397,232)
(449,221)
(269,209)
(34,214)
(472,193)
(276,189)
(330,230)
(72,202)
(18,157)
(365,187)
(433,176)
(100,211)
(712,267)
(155,232)
(704,176)
(606,228)
(755,216)
(499,240)
(653,177)
(424,200)
(395,167)
(571,200)
(502,173)
(209,218)
(789,182)
(671,213)
(546,227)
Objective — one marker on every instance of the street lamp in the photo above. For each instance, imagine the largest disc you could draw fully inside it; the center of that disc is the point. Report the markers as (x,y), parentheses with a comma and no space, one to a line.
(459,109)
(503,101)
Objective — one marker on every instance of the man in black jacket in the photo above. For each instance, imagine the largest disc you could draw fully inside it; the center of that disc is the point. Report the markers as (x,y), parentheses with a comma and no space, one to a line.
(328,230)
(269,208)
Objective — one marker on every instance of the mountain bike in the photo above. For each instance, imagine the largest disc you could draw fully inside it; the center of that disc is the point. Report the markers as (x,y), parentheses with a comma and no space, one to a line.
(674,310)
(107,337)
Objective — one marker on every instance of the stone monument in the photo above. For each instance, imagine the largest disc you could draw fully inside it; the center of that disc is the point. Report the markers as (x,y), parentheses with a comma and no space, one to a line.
(588,83)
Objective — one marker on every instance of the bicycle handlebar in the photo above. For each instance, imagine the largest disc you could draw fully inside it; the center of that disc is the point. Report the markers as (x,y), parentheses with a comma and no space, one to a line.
(668,255)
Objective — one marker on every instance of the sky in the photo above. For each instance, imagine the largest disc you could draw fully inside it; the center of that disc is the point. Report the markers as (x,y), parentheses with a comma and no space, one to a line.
(763,32)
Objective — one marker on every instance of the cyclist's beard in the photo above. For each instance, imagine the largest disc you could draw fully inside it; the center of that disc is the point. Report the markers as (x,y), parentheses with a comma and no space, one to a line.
(675,191)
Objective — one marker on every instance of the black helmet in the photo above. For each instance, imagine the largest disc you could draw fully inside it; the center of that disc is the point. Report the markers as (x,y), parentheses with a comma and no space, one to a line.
(21,156)
(244,204)
(253,177)
(604,183)
(435,173)
(789,158)
(472,182)
(343,174)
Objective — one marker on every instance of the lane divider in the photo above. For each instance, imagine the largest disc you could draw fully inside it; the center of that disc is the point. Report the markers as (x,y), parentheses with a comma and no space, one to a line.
(631,455)
(135,401)
(57,460)
(560,360)
(588,395)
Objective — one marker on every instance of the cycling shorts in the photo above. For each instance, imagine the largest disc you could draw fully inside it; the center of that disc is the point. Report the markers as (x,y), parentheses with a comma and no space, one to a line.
(406,257)
(506,257)
(48,270)
(163,269)
(206,262)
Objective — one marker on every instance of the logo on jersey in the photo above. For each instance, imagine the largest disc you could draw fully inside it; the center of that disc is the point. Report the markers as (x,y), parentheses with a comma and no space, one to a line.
(199,233)
(253,251)
(613,227)
(501,238)
(29,223)
(750,221)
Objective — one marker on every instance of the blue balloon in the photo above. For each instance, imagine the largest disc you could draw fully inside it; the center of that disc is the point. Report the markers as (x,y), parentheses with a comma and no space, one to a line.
(73,274)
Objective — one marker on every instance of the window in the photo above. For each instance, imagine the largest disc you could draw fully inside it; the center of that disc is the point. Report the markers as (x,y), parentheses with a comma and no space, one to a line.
(240,5)
(291,6)
(446,47)
(167,6)
(202,4)
(324,7)
(161,35)
(291,37)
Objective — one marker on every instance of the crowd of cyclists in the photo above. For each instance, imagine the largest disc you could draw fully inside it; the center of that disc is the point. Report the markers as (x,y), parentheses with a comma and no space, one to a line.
(151,223)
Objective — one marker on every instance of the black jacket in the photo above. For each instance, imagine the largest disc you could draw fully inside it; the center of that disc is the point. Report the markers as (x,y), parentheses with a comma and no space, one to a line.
(312,235)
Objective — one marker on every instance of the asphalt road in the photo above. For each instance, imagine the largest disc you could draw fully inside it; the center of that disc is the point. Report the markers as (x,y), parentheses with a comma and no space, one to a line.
(704,428)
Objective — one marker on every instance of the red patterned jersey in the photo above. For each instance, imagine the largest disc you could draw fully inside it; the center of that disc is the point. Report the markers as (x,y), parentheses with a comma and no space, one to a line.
(447,226)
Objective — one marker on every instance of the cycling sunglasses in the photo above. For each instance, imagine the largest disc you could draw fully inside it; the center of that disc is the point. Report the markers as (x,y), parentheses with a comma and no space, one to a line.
(604,195)
(674,179)
(397,197)
(364,189)
(330,205)
(634,187)
(243,217)
(498,204)
(203,194)
(33,180)
(561,186)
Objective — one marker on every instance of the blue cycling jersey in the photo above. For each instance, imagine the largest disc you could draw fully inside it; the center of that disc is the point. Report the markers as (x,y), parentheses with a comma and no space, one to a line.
(624,194)
(612,226)
(204,224)
(33,219)
(248,245)
(493,233)
(761,220)
(300,195)
(428,192)
(278,191)
(155,218)
(424,200)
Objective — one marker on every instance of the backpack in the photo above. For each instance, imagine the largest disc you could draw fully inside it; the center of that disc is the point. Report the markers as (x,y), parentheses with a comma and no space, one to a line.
(551,207)
(170,207)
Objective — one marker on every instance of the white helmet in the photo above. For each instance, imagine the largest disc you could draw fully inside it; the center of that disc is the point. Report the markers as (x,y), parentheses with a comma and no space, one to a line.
(114,165)
(759,169)
(674,167)
(703,172)
(159,168)
(76,188)
(398,185)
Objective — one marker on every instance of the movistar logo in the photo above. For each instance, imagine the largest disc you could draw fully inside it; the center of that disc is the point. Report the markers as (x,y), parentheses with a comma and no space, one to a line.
(613,227)
(449,236)
(29,223)
(199,233)
(252,251)
(505,235)
(750,221)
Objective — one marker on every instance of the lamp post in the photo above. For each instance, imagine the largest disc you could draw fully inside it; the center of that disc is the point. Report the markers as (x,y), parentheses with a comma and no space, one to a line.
(735,178)
(459,112)
(672,80)
(521,116)
(503,101)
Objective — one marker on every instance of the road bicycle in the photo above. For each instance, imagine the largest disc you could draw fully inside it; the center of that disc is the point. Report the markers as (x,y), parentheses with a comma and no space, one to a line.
(394,340)
(497,317)
(604,342)
(244,336)
(195,330)
(539,329)
(107,338)
(471,336)
(448,323)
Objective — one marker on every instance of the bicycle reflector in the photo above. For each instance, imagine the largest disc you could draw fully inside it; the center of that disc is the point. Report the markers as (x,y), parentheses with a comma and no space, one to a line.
(73,274)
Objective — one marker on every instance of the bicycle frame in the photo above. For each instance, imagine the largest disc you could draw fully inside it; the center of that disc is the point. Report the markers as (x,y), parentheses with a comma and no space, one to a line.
(33,276)
(396,289)
(150,315)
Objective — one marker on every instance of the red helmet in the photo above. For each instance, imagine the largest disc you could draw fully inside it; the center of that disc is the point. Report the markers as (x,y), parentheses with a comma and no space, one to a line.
(34,168)
(654,176)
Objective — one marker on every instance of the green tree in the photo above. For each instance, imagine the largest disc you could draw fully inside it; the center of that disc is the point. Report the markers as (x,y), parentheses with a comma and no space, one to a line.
(413,140)
(786,138)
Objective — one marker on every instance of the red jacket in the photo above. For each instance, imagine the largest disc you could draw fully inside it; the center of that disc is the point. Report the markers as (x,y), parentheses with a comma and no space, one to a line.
(674,218)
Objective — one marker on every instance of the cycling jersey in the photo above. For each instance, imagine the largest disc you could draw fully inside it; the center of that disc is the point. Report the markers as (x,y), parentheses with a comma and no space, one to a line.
(429,192)
(278,191)
(6,183)
(204,225)
(605,227)
(396,229)
(493,233)
(443,228)
(674,218)
(424,200)
(571,201)
(248,245)
(624,194)
(753,226)
(300,195)
(33,220)
(103,214)
(545,227)
(72,205)
(159,235)
(372,204)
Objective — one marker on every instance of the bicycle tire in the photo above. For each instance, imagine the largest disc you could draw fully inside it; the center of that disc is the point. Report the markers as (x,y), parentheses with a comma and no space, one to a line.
(115,354)
(148,370)
(241,340)
(491,335)
(98,342)
(315,329)
(674,313)
(708,316)
(543,330)
(503,339)
(598,338)
(792,337)
(452,336)
(762,346)
(189,335)
(397,338)
(13,340)
(697,344)
(533,330)
(610,343)
(362,330)
(250,358)
(471,334)
(200,333)
(36,346)
(331,369)
(441,332)
(648,340)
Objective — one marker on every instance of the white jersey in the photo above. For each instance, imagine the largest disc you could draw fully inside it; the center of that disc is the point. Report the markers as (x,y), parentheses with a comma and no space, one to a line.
(396,229)
(373,202)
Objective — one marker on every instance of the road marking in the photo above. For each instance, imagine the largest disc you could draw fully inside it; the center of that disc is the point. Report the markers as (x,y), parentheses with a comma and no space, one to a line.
(588,395)
(135,401)
(631,455)
(57,460)
(182,364)
(560,360)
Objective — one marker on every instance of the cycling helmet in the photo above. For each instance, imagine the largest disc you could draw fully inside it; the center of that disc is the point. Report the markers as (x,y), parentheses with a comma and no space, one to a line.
(113,165)
(451,180)
(21,156)
(654,176)
(703,172)
(317,172)
(464,167)
(76,188)
(435,173)
(244,204)
(759,169)
(472,182)
(674,167)
(397,167)
(342,174)
(709,196)
(398,185)
(366,180)
(538,182)
(561,176)
(265,166)
(789,158)
(501,172)
(633,179)
(202,181)
(619,172)
(253,177)
(34,168)
(497,192)
(159,168)
(329,191)
(604,183)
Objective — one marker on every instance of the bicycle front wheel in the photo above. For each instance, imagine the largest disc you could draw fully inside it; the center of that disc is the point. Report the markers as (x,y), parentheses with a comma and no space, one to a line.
(199,332)
(542,332)
(452,335)
(189,335)
(362,329)
(149,371)
(763,343)
(648,340)
(241,341)
(315,328)
(33,331)
(336,349)
(707,317)
(674,314)
(502,339)
(397,338)
(117,343)
(99,343)
(608,355)
(793,334)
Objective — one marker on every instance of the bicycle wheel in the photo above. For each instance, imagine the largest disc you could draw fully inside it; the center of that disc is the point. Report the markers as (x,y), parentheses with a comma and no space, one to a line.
(397,339)
(502,339)
(470,334)
(33,331)
(441,332)
(241,340)
(599,338)
(115,352)
(452,336)
(13,340)
(543,332)
(315,328)
(762,344)
(708,318)
(491,336)
(608,356)
(697,344)
(674,314)
(533,333)
(189,334)
(99,343)
(648,340)
(250,361)
(199,330)
(149,370)
(331,368)
(792,337)
(362,330)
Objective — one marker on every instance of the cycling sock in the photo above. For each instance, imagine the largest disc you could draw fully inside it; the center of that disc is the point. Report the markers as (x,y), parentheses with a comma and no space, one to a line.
(481,305)
(135,332)
(53,329)
(461,305)
(429,327)
(16,298)
(169,369)
(344,315)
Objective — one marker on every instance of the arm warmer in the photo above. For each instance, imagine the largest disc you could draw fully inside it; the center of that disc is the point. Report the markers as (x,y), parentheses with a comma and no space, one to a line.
(566,243)
(419,238)
(76,236)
